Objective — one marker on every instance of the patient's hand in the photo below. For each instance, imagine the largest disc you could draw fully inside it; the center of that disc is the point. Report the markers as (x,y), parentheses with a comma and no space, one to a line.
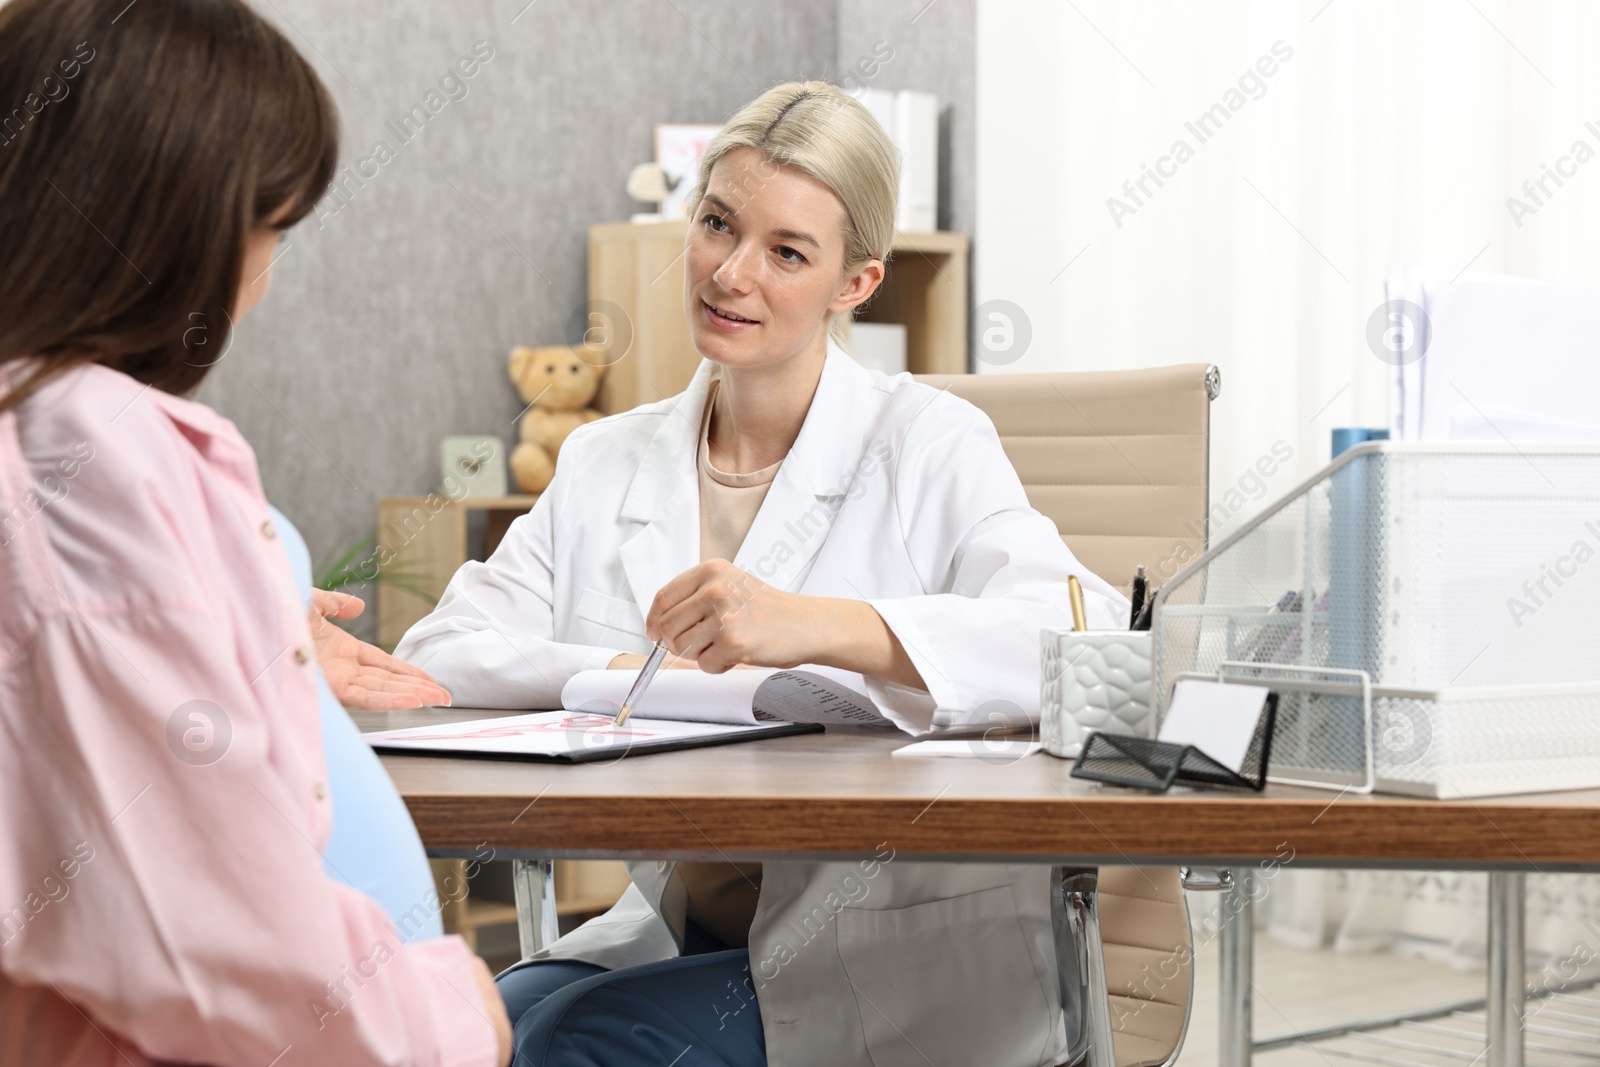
(363,676)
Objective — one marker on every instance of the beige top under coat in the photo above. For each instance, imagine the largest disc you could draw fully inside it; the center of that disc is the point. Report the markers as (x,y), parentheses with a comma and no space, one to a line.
(721,897)
(728,502)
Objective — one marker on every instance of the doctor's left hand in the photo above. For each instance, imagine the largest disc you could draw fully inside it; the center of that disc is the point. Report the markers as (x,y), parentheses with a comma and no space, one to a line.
(722,617)
(363,676)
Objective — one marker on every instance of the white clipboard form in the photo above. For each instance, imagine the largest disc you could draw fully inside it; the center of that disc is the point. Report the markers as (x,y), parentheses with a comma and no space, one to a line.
(681,709)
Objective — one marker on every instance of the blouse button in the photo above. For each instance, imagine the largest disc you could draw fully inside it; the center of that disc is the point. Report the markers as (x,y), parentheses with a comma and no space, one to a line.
(268,530)
(302,655)
(319,791)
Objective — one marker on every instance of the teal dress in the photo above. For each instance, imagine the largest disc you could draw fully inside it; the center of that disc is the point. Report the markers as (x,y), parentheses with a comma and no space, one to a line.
(374,845)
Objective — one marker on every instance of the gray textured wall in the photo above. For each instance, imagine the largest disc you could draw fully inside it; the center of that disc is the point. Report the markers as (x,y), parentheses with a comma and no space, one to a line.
(934,52)
(392,310)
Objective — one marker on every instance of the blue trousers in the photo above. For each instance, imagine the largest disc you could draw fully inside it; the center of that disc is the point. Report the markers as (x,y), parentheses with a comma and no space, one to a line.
(690,1011)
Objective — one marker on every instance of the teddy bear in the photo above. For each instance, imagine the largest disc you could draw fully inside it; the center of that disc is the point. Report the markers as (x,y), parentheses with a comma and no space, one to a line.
(557,382)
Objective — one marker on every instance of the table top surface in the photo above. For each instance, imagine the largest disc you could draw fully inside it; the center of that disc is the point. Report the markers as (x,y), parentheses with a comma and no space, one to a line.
(840,794)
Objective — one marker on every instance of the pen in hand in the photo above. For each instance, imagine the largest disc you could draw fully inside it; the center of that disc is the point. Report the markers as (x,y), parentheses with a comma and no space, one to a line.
(647,672)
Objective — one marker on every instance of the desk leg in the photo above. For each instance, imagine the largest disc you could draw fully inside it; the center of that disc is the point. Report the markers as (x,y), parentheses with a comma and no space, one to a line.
(1507,982)
(535,885)
(1236,942)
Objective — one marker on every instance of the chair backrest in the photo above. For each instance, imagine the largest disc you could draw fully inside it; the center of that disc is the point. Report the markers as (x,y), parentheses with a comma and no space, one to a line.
(1149,958)
(1118,459)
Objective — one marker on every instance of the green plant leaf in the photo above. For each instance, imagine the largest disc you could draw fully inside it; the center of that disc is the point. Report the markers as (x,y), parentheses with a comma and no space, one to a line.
(358,564)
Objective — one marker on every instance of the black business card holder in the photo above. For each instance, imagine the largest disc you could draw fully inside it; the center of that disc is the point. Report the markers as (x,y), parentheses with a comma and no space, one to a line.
(1145,763)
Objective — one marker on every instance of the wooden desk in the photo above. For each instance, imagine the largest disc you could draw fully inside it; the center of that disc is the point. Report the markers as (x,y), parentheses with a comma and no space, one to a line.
(841,795)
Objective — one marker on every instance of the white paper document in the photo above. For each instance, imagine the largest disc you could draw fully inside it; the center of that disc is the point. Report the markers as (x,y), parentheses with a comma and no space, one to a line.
(1218,719)
(972,748)
(737,697)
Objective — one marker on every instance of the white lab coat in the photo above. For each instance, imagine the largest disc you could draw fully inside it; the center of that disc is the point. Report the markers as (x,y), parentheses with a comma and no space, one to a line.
(894,493)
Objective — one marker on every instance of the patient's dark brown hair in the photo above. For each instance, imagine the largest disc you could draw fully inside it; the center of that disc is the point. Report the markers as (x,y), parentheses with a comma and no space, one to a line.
(140,145)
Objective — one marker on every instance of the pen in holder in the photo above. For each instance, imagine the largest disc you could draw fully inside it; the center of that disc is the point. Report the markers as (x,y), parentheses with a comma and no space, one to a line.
(1092,680)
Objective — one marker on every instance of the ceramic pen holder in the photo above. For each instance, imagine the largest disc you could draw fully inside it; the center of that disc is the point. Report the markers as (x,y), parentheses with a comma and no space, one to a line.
(1092,680)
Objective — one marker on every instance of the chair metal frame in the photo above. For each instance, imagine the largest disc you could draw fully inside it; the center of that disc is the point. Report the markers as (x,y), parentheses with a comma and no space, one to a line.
(1081,967)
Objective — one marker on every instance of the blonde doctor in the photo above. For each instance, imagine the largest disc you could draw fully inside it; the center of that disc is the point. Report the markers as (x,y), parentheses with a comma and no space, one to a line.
(789,507)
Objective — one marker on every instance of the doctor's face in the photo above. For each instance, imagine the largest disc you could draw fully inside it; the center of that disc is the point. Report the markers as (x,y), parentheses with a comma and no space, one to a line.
(764,263)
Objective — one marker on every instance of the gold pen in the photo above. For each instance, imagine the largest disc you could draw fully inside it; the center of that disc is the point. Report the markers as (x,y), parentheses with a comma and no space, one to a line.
(1080,619)
(646,673)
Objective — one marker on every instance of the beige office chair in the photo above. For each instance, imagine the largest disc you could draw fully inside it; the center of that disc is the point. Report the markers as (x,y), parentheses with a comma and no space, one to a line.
(1118,460)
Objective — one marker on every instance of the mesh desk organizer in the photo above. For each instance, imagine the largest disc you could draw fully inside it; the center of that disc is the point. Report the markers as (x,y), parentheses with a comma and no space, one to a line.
(1146,763)
(1426,613)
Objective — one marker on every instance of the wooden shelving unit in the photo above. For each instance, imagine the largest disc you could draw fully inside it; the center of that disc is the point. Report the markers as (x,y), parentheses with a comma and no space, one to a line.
(636,298)
(926,291)
(588,887)
(425,539)
(584,888)
(460,913)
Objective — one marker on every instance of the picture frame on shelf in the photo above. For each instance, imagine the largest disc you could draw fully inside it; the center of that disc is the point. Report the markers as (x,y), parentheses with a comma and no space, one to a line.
(679,147)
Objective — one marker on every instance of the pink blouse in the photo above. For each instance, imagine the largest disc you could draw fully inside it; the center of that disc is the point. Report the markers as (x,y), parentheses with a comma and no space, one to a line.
(161,775)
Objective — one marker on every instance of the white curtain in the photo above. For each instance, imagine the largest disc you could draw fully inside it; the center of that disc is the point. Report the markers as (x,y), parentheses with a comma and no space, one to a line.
(1394,133)
(1339,138)
(1435,914)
